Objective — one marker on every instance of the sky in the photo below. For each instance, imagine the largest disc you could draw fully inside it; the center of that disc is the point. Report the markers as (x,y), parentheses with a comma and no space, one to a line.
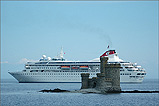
(84,29)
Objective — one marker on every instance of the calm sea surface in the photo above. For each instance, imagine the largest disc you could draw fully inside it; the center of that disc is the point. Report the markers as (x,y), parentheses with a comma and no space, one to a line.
(22,94)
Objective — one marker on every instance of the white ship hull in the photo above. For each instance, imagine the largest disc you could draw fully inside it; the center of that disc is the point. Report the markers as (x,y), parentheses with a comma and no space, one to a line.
(64,77)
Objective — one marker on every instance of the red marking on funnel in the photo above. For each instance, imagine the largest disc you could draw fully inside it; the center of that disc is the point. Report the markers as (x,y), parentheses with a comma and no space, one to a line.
(108,53)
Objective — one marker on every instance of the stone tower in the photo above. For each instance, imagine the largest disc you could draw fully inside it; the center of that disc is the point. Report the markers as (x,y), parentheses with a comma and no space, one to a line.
(103,61)
(108,80)
(85,77)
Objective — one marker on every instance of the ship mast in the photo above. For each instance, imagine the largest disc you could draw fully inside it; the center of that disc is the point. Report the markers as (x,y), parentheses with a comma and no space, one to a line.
(61,53)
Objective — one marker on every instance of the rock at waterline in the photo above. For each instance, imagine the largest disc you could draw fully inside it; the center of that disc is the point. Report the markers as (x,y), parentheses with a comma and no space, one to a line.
(55,90)
(94,91)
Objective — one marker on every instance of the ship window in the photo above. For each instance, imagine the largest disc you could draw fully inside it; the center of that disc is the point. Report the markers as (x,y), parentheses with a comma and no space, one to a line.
(132,76)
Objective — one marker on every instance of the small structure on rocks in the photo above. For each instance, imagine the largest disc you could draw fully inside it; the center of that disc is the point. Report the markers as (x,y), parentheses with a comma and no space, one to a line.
(107,81)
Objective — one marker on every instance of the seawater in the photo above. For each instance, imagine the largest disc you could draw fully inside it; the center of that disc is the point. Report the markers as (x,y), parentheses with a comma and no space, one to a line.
(26,94)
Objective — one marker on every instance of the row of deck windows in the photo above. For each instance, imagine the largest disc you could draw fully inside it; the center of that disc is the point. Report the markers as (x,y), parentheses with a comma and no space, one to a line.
(62,65)
(136,77)
(55,68)
(125,73)
(72,74)
(63,71)
(43,68)
(52,67)
(53,80)
(141,73)
(54,74)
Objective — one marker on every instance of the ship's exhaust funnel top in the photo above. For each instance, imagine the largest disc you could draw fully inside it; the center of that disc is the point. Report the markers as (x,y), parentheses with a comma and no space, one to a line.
(107,53)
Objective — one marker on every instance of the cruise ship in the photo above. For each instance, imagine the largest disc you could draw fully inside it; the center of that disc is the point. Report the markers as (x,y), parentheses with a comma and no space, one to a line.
(60,70)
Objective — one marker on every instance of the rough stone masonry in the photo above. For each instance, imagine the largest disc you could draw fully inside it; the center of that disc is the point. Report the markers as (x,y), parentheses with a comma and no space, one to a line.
(108,80)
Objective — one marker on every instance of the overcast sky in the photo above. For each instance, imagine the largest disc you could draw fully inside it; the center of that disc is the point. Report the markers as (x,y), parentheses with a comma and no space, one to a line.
(30,29)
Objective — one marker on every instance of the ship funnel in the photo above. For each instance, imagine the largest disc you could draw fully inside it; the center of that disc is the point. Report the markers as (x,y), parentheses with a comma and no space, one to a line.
(109,52)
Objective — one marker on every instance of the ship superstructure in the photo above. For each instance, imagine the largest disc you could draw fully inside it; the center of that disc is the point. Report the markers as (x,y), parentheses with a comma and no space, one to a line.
(60,70)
